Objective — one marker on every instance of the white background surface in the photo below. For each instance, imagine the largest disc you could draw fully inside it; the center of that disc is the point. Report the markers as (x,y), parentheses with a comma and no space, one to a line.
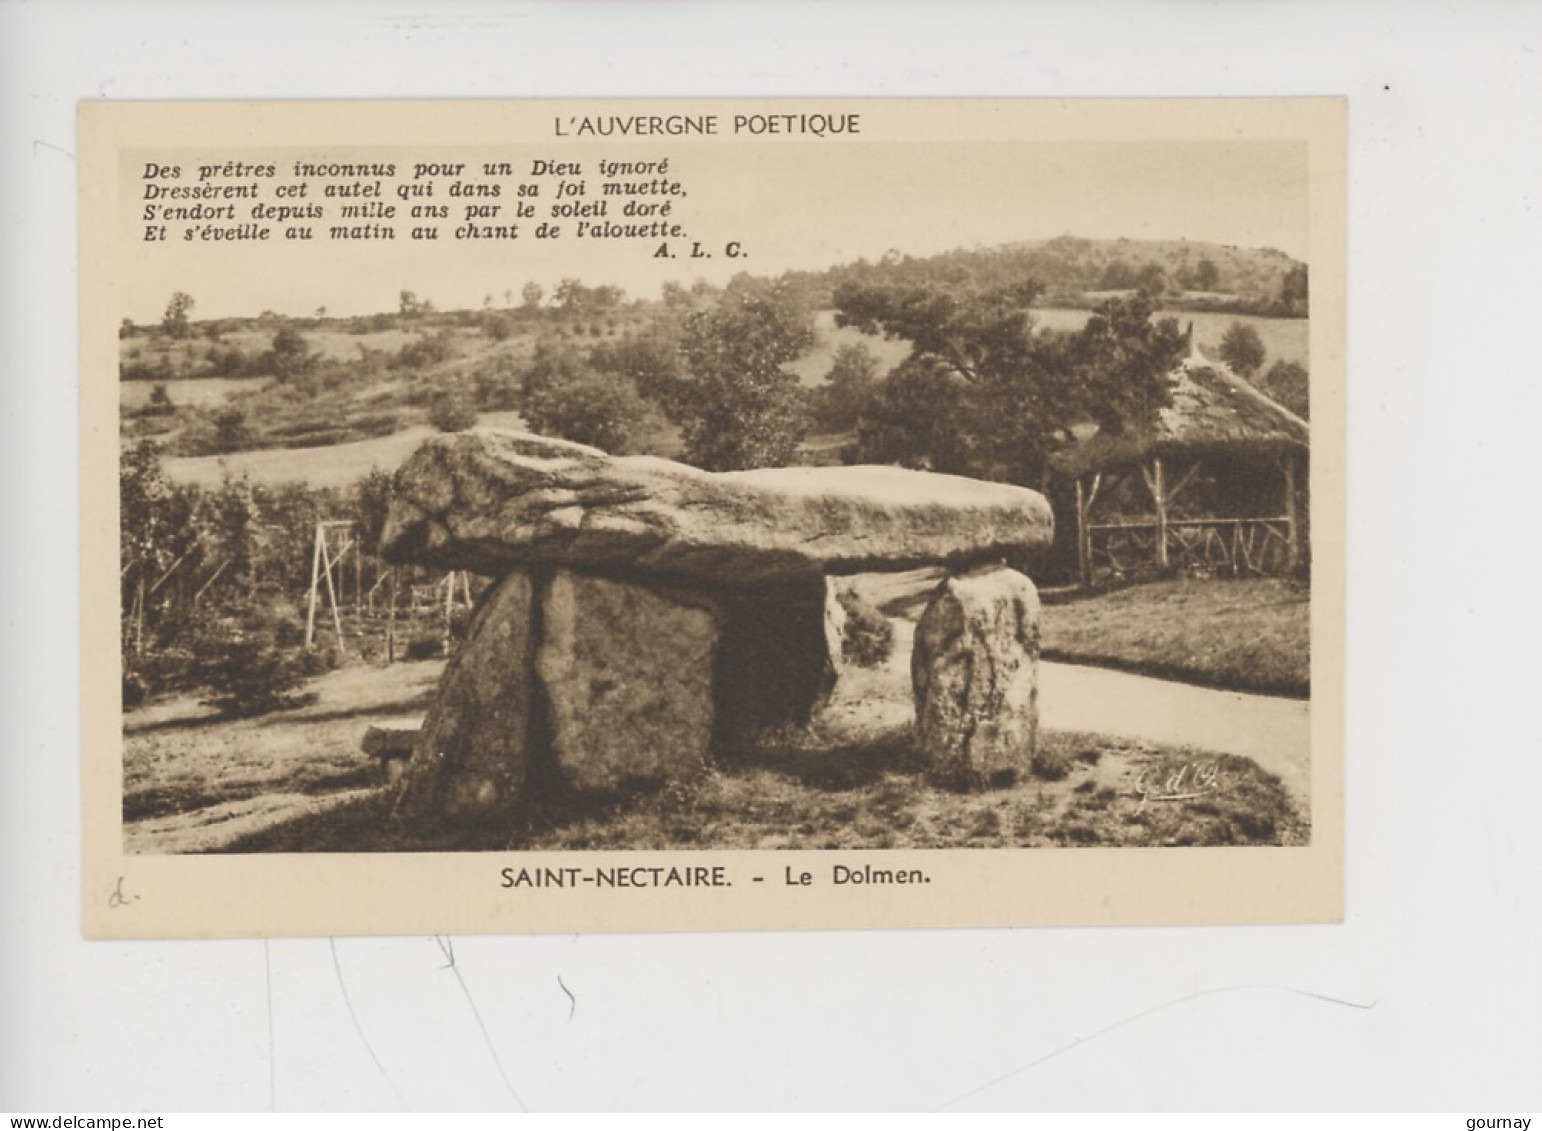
(1439,955)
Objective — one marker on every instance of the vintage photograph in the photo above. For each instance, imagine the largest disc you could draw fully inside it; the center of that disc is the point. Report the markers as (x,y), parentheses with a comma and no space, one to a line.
(717,496)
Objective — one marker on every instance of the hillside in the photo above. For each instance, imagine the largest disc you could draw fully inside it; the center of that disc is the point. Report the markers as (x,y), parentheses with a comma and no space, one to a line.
(1185,274)
(328,399)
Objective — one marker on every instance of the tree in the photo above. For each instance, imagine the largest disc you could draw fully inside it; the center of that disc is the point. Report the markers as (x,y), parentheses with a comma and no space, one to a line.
(1117,276)
(452,411)
(411,306)
(1243,349)
(231,431)
(371,503)
(160,403)
(1122,360)
(289,354)
(1151,279)
(590,408)
(531,294)
(1294,291)
(604,298)
(651,362)
(675,296)
(741,408)
(983,394)
(554,362)
(571,296)
(1206,276)
(922,418)
(175,323)
(1289,383)
(852,379)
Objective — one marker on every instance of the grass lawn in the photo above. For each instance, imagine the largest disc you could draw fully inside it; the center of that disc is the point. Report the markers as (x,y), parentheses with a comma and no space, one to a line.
(1250,634)
(1113,794)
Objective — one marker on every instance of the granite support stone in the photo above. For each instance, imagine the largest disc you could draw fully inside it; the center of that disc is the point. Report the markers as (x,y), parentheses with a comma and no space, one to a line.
(627,672)
(974,670)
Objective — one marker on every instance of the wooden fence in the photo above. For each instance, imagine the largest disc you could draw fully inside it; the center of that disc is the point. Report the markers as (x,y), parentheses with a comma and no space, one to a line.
(1216,547)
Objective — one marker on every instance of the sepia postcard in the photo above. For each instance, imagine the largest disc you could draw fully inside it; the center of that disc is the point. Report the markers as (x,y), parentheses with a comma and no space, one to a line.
(678,516)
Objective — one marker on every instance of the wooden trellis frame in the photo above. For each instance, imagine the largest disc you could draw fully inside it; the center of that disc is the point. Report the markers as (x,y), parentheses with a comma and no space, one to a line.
(322,564)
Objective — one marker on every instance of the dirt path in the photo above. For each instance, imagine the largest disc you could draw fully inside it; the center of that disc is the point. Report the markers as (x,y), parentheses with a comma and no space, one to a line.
(1272,731)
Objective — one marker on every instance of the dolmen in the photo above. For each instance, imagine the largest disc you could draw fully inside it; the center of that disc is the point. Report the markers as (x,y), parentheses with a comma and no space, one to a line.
(647,615)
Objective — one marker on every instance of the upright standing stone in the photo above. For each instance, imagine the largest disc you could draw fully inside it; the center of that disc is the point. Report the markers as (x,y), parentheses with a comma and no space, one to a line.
(975,674)
(473,752)
(628,675)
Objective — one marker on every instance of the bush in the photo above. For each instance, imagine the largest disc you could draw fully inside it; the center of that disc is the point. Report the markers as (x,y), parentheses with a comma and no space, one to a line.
(1243,349)
(425,648)
(422,353)
(255,665)
(1289,383)
(449,412)
(231,431)
(588,408)
(136,688)
(867,638)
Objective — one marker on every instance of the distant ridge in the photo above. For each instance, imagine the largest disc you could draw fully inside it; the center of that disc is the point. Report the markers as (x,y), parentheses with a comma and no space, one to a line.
(1077,272)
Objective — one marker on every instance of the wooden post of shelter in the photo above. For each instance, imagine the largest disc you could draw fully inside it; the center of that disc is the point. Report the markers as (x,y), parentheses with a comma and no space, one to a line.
(391,622)
(139,617)
(1083,566)
(1158,488)
(1084,501)
(1292,526)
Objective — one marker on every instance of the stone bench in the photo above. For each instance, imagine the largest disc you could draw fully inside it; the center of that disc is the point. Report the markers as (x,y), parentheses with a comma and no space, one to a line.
(646,612)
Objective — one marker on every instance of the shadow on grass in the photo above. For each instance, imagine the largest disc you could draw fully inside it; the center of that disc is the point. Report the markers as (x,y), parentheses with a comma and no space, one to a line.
(171,800)
(178,722)
(414,705)
(840,766)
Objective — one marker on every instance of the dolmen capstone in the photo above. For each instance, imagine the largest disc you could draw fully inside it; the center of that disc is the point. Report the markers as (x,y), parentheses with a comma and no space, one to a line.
(647,613)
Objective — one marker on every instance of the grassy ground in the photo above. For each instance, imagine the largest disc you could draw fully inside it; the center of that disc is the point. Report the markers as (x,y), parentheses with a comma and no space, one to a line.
(1244,635)
(296,781)
(1114,794)
(191,778)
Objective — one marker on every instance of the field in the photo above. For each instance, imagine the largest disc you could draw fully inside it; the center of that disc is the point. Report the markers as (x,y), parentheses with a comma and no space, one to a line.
(336,466)
(1283,338)
(1242,635)
(297,781)
(194,392)
(812,367)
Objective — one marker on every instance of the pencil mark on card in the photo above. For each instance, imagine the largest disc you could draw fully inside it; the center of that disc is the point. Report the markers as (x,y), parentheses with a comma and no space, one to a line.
(1134,1017)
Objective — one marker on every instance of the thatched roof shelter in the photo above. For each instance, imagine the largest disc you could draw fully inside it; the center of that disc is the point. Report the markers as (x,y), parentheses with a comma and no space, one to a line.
(1214,418)
(1213,411)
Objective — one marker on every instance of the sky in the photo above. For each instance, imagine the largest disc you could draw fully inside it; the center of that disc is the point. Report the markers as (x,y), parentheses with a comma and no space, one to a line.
(789,204)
